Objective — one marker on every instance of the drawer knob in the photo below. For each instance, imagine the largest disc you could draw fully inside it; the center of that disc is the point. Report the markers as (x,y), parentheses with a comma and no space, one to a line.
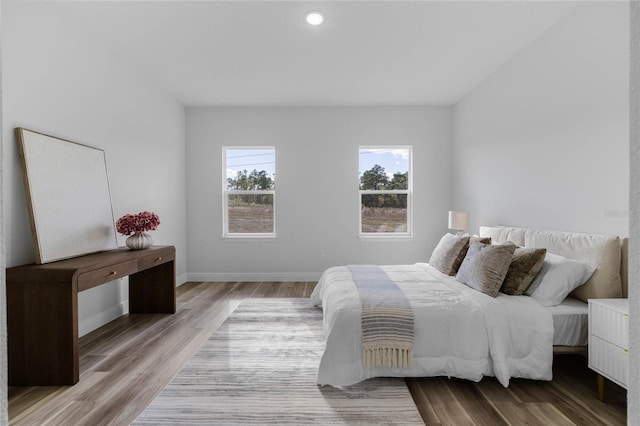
(113,273)
(158,259)
(625,351)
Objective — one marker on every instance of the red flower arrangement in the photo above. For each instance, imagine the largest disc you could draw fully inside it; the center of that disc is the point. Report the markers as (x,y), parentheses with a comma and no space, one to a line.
(137,223)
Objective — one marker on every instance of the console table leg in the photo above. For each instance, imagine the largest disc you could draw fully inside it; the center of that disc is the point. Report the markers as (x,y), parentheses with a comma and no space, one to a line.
(42,325)
(153,291)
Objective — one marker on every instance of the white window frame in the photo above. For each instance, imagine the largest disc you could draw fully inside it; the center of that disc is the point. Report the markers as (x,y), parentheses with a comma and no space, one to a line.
(227,192)
(408,234)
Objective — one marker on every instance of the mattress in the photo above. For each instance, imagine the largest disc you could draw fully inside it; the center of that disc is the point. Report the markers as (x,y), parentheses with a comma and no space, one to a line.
(570,323)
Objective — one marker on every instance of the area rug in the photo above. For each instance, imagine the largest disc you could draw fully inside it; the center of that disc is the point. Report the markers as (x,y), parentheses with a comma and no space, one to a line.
(260,367)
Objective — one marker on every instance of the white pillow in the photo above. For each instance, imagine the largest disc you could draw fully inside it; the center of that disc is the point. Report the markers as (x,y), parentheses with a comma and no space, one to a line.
(558,277)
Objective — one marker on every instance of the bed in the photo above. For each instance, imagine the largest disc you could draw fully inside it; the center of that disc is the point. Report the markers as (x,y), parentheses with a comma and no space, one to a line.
(461,332)
(570,325)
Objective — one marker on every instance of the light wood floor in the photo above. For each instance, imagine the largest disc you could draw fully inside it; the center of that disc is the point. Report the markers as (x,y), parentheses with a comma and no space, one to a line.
(126,363)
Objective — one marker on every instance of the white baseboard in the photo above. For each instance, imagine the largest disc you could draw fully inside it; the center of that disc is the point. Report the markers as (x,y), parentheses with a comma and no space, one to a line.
(181,279)
(96,321)
(254,276)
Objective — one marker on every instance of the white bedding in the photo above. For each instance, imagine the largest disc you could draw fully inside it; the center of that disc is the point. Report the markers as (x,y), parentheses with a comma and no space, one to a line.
(570,323)
(459,332)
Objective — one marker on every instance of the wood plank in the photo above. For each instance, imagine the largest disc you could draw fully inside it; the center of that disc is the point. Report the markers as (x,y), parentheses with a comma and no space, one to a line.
(267,289)
(290,289)
(474,403)
(548,414)
(448,409)
(48,406)
(308,288)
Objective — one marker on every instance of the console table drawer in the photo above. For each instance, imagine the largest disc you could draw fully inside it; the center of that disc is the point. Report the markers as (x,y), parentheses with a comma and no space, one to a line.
(155,260)
(96,277)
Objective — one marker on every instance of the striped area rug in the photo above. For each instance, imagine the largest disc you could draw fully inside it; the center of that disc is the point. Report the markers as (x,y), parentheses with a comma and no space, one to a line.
(260,367)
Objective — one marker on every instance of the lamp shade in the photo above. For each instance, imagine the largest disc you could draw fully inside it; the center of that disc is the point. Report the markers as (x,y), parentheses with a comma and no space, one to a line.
(458,220)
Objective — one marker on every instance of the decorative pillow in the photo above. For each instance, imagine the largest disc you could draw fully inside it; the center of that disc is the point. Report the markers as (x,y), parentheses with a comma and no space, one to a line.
(525,265)
(448,254)
(558,277)
(483,240)
(485,266)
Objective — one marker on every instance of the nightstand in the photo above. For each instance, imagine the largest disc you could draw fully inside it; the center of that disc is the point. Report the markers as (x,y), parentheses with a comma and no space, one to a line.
(609,341)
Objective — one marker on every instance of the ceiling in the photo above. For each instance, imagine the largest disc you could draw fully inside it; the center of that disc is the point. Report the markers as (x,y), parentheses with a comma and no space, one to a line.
(263,53)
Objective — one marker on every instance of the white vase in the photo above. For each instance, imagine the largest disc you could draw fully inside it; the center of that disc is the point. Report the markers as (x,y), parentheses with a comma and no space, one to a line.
(139,241)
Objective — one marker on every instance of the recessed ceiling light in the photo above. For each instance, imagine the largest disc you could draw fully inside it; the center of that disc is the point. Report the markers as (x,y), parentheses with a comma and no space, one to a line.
(314,18)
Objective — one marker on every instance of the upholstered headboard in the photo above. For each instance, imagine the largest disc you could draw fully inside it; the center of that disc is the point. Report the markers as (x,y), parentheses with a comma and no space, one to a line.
(607,253)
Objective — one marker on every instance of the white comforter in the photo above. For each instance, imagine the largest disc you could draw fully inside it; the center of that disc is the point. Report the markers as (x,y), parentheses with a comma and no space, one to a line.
(459,332)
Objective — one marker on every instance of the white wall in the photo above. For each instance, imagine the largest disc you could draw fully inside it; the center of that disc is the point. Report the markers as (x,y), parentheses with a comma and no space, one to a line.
(633,396)
(544,141)
(4,411)
(59,82)
(317,187)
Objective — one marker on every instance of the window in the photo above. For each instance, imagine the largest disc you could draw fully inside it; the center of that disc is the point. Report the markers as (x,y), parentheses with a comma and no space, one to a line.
(249,191)
(385,191)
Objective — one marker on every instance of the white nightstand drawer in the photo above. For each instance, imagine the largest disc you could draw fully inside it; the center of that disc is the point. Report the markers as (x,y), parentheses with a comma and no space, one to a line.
(609,360)
(609,324)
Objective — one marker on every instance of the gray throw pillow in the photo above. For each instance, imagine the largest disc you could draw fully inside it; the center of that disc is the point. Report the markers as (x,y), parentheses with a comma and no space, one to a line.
(483,240)
(525,265)
(485,266)
(448,254)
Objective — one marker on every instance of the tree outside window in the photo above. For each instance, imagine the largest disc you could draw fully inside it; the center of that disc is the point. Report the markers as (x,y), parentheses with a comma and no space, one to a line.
(385,191)
(249,191)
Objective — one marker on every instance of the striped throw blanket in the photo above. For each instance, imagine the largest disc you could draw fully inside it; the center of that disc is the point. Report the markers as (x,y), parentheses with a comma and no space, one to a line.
(387,319)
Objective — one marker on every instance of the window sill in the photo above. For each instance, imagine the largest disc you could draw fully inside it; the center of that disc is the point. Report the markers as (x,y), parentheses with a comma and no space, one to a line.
(401,237)
(253,237)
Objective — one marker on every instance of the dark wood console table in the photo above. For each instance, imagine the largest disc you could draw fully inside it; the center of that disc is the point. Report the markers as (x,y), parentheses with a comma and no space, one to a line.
(42,307)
